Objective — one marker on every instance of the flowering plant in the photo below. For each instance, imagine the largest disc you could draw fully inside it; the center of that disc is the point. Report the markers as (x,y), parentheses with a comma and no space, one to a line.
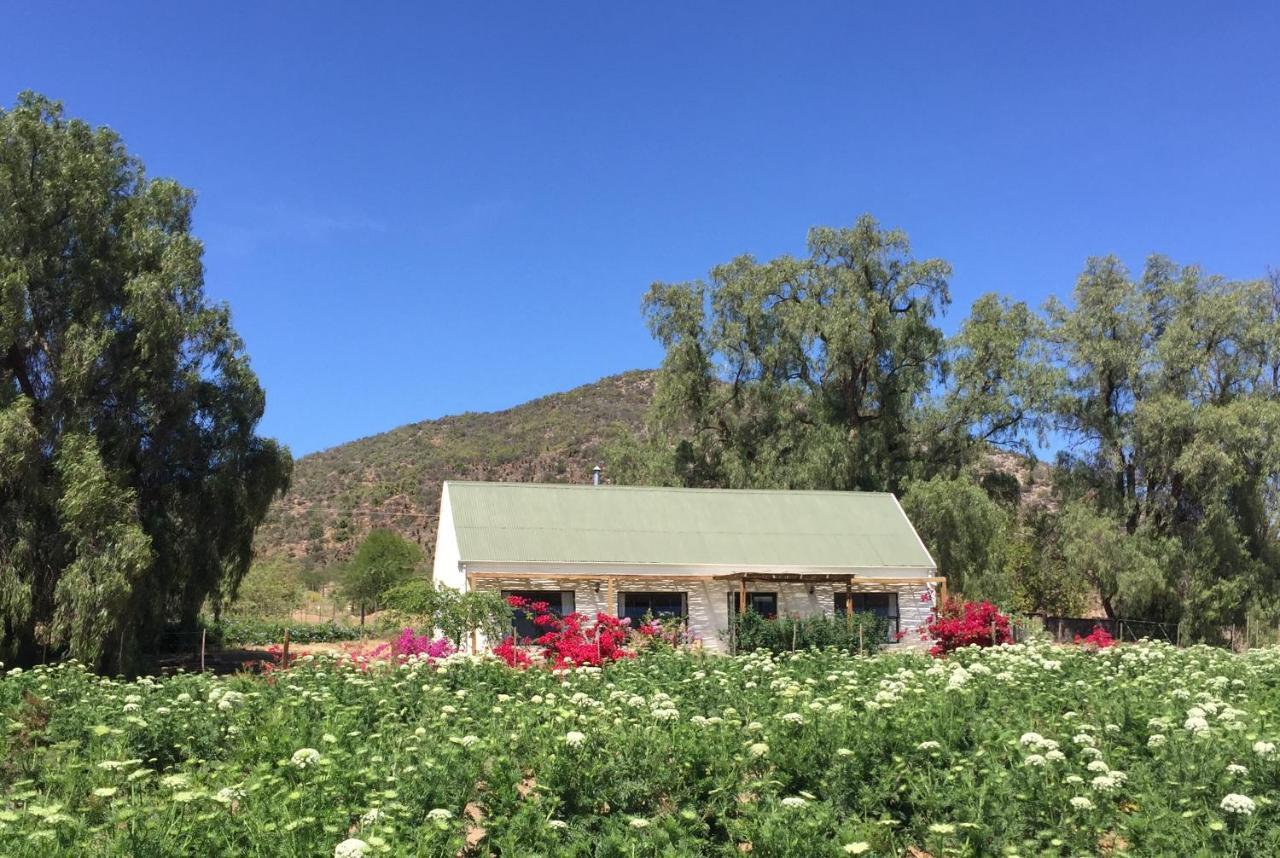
(1099,638)
(959,624)
(573,640)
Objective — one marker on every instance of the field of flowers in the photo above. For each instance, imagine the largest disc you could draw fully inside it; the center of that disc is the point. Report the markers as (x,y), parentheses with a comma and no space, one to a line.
(1024,749)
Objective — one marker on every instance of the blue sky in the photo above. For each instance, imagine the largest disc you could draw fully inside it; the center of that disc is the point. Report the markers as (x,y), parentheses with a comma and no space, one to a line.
(421,209)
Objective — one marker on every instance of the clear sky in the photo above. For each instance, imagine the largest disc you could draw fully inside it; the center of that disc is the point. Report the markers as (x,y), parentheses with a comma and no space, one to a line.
(423,208)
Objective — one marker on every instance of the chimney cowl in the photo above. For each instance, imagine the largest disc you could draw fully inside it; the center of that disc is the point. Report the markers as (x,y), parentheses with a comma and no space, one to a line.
(595,475)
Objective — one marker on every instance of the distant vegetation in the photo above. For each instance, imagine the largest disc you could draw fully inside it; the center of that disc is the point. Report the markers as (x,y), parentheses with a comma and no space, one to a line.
(393,480)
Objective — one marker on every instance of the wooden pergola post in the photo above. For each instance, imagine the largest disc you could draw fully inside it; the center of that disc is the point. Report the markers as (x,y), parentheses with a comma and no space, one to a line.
(848,604)
(742,595)
(611,604)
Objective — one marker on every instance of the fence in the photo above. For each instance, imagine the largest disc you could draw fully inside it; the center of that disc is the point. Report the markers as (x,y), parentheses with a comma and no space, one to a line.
(1066,629)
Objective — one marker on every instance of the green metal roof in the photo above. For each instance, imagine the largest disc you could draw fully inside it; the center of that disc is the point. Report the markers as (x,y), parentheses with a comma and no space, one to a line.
(543,523)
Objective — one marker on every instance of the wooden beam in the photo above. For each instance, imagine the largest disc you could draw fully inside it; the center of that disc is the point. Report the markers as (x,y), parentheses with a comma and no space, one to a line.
(555,576)
(611,603)
(742,596)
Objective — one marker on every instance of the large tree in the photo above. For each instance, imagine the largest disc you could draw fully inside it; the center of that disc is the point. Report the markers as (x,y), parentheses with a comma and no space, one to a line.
(796,372)
(131,477)
(1172,413)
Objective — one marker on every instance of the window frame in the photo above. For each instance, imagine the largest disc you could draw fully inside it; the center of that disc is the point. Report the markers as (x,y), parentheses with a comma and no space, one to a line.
(892,614)
(751,595)
(666,594)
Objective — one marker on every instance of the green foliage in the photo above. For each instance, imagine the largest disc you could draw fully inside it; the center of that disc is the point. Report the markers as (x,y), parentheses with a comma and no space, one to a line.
(800,373)
(259,631)
(454,613)
(863,632)
(383,560)
(805,754)
(966,532)
(272,588)
(131,480)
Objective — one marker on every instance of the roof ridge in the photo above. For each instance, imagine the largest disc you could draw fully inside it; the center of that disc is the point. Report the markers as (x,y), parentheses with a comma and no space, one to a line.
(708,490)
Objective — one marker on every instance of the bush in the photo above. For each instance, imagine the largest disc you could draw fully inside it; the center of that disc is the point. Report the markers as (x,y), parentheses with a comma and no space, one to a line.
(257,632)
(961,624)
(861,632)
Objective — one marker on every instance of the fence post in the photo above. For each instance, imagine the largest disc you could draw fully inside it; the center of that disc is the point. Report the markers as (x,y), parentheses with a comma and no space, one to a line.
(202,632)
(284,654)
(860,649)
(1060,630)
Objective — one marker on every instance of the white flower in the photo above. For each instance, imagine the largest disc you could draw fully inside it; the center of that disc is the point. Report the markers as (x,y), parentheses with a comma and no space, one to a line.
(557,823)
(857,847)
(1196,724)
(929,745)
(793,801)
(352,847)
(639,822)
(573,738)
(304,757)
(1055,756)
(468,740)
(793,718)
(758,749)
(1079,802)
(105,792)
(439,814)
(942,828)
(1236,803)
(1104,783)
(1238,770)
(1083,739)
(1031,739)
(1264,749)
(226,795)
(1034,760)
(371,817)
(1097,766)
(1155,740)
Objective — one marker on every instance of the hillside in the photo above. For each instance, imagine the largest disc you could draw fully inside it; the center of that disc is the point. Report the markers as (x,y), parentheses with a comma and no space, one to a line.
(393,479)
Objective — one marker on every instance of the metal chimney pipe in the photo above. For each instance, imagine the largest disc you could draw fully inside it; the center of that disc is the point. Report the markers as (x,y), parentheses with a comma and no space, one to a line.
(595,475)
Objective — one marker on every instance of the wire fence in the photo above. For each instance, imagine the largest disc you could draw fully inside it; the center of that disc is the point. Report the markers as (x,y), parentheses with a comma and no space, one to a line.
(1067,629)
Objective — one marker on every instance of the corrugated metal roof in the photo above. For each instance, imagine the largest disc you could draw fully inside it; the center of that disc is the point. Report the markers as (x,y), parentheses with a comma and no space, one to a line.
(534,522)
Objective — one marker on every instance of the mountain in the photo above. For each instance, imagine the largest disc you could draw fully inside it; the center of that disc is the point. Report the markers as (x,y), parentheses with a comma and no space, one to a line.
(393,479)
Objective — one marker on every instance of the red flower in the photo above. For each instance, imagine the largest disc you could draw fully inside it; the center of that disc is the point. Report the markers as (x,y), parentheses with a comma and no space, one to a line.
(1099,638)
(968,623)
(517,601)
(539,607)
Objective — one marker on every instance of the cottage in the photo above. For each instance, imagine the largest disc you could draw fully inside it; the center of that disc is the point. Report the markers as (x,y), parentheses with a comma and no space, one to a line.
(699,554)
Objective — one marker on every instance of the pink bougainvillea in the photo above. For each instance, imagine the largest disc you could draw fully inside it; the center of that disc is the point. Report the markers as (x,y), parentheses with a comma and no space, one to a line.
(960,624)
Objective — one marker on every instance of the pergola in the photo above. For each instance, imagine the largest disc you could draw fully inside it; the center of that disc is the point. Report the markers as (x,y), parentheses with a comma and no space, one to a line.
(851,583)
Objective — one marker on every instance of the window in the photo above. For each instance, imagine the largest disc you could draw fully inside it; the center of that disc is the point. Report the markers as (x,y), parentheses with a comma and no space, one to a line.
(883,605)
(764,604)
(559,603)
(658,605)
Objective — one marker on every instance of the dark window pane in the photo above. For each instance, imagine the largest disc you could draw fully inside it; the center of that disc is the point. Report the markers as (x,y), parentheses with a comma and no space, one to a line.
(639,605)
(764,604)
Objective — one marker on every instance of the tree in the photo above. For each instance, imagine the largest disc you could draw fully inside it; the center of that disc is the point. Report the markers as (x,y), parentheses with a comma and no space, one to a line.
(1171,402)
(383,560)
(270,589)
(801,373)
(131,477)
(965,531)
